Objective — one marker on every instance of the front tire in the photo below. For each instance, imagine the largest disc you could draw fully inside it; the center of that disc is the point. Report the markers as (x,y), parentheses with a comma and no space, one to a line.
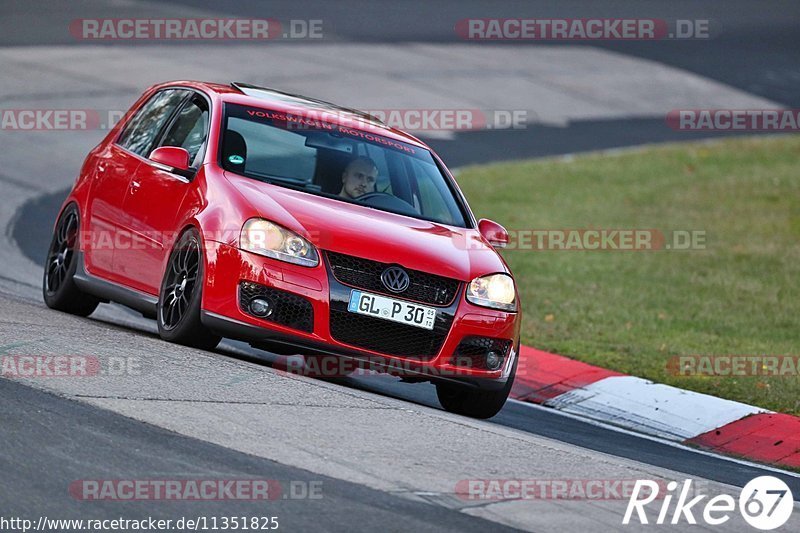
(475,403)
(58,284)
(178,313)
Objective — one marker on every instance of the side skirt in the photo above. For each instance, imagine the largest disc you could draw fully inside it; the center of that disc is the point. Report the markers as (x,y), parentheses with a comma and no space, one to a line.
(108,291)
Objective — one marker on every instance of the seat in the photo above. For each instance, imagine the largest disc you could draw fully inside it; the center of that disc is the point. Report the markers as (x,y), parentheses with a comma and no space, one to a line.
(329,170)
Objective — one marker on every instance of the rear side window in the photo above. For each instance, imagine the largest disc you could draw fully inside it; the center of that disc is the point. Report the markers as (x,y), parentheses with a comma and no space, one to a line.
(141,132)
(190,129)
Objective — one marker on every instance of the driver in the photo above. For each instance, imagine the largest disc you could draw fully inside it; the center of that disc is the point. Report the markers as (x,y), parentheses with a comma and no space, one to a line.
(359,178)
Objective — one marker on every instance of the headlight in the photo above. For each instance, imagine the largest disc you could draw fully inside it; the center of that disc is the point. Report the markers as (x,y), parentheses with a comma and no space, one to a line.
(266,238)
(495,291)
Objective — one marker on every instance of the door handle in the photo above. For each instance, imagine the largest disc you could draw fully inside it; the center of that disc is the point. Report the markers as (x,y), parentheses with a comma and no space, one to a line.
(135,186)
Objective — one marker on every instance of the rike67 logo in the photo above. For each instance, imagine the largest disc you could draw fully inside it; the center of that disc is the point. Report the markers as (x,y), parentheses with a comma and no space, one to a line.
(765,503)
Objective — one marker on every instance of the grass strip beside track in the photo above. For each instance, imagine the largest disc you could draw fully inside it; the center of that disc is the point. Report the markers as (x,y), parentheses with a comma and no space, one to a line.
(635,311)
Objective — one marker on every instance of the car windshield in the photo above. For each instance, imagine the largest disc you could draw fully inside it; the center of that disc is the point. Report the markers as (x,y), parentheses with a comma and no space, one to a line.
(337,162)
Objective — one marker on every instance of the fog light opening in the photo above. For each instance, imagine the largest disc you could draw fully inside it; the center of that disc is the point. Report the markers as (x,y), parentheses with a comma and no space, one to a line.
(494,360)
(261,308)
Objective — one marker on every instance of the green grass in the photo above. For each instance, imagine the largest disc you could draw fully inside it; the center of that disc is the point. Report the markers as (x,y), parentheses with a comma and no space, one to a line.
(632,310)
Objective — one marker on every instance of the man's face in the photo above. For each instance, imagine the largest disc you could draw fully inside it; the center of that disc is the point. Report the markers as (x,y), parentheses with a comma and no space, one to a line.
(358,179)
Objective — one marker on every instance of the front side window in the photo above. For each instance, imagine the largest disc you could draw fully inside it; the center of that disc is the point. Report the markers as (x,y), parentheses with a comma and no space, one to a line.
(189,130)
(338,162)
(141,131)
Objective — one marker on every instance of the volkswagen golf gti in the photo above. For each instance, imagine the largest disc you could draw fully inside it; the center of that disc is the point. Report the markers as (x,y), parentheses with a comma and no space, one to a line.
(296,225)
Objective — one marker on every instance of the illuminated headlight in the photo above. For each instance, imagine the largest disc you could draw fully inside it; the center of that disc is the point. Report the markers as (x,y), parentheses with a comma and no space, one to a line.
(495,291)
(266,238)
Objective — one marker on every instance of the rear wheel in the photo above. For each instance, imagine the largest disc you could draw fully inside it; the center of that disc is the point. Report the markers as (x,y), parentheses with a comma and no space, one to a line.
(58,286)
(474,403)
(179,299)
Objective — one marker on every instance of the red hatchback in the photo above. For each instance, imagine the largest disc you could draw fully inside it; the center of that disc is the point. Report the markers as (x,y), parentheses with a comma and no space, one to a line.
(298,226)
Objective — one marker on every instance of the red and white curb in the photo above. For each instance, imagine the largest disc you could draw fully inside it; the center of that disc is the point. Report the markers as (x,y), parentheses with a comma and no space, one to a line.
(663,411)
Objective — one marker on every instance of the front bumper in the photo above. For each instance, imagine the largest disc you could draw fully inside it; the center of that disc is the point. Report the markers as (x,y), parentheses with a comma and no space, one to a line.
(227,267)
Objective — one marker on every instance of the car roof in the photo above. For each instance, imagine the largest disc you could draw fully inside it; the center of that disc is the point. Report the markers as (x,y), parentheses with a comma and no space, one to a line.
(276,100)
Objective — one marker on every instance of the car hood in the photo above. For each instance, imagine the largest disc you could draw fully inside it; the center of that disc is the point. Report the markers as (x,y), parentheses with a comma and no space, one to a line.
(361,231)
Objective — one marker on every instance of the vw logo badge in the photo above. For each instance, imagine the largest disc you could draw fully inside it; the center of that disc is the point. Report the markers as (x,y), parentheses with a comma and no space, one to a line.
(395,279)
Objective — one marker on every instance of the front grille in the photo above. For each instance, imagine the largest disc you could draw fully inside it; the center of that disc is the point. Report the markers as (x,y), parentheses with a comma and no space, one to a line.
(288,309)
(388,337)
(366,274)
(471,352)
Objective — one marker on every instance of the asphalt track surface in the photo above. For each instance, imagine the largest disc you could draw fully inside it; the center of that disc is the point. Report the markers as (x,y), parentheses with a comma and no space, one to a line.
(68,440)
(102,444)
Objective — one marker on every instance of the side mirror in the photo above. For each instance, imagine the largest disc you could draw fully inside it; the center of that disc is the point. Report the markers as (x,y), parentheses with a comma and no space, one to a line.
(493,232)
(173,157)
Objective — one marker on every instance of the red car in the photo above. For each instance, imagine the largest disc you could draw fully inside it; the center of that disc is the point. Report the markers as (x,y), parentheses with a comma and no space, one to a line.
(296,225)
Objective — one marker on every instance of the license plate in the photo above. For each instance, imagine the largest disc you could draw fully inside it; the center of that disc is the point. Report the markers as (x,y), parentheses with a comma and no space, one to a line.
(378,306)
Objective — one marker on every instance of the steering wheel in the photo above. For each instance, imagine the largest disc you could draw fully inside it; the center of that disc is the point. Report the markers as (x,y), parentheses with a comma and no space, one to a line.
(375,194)
(388,201)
